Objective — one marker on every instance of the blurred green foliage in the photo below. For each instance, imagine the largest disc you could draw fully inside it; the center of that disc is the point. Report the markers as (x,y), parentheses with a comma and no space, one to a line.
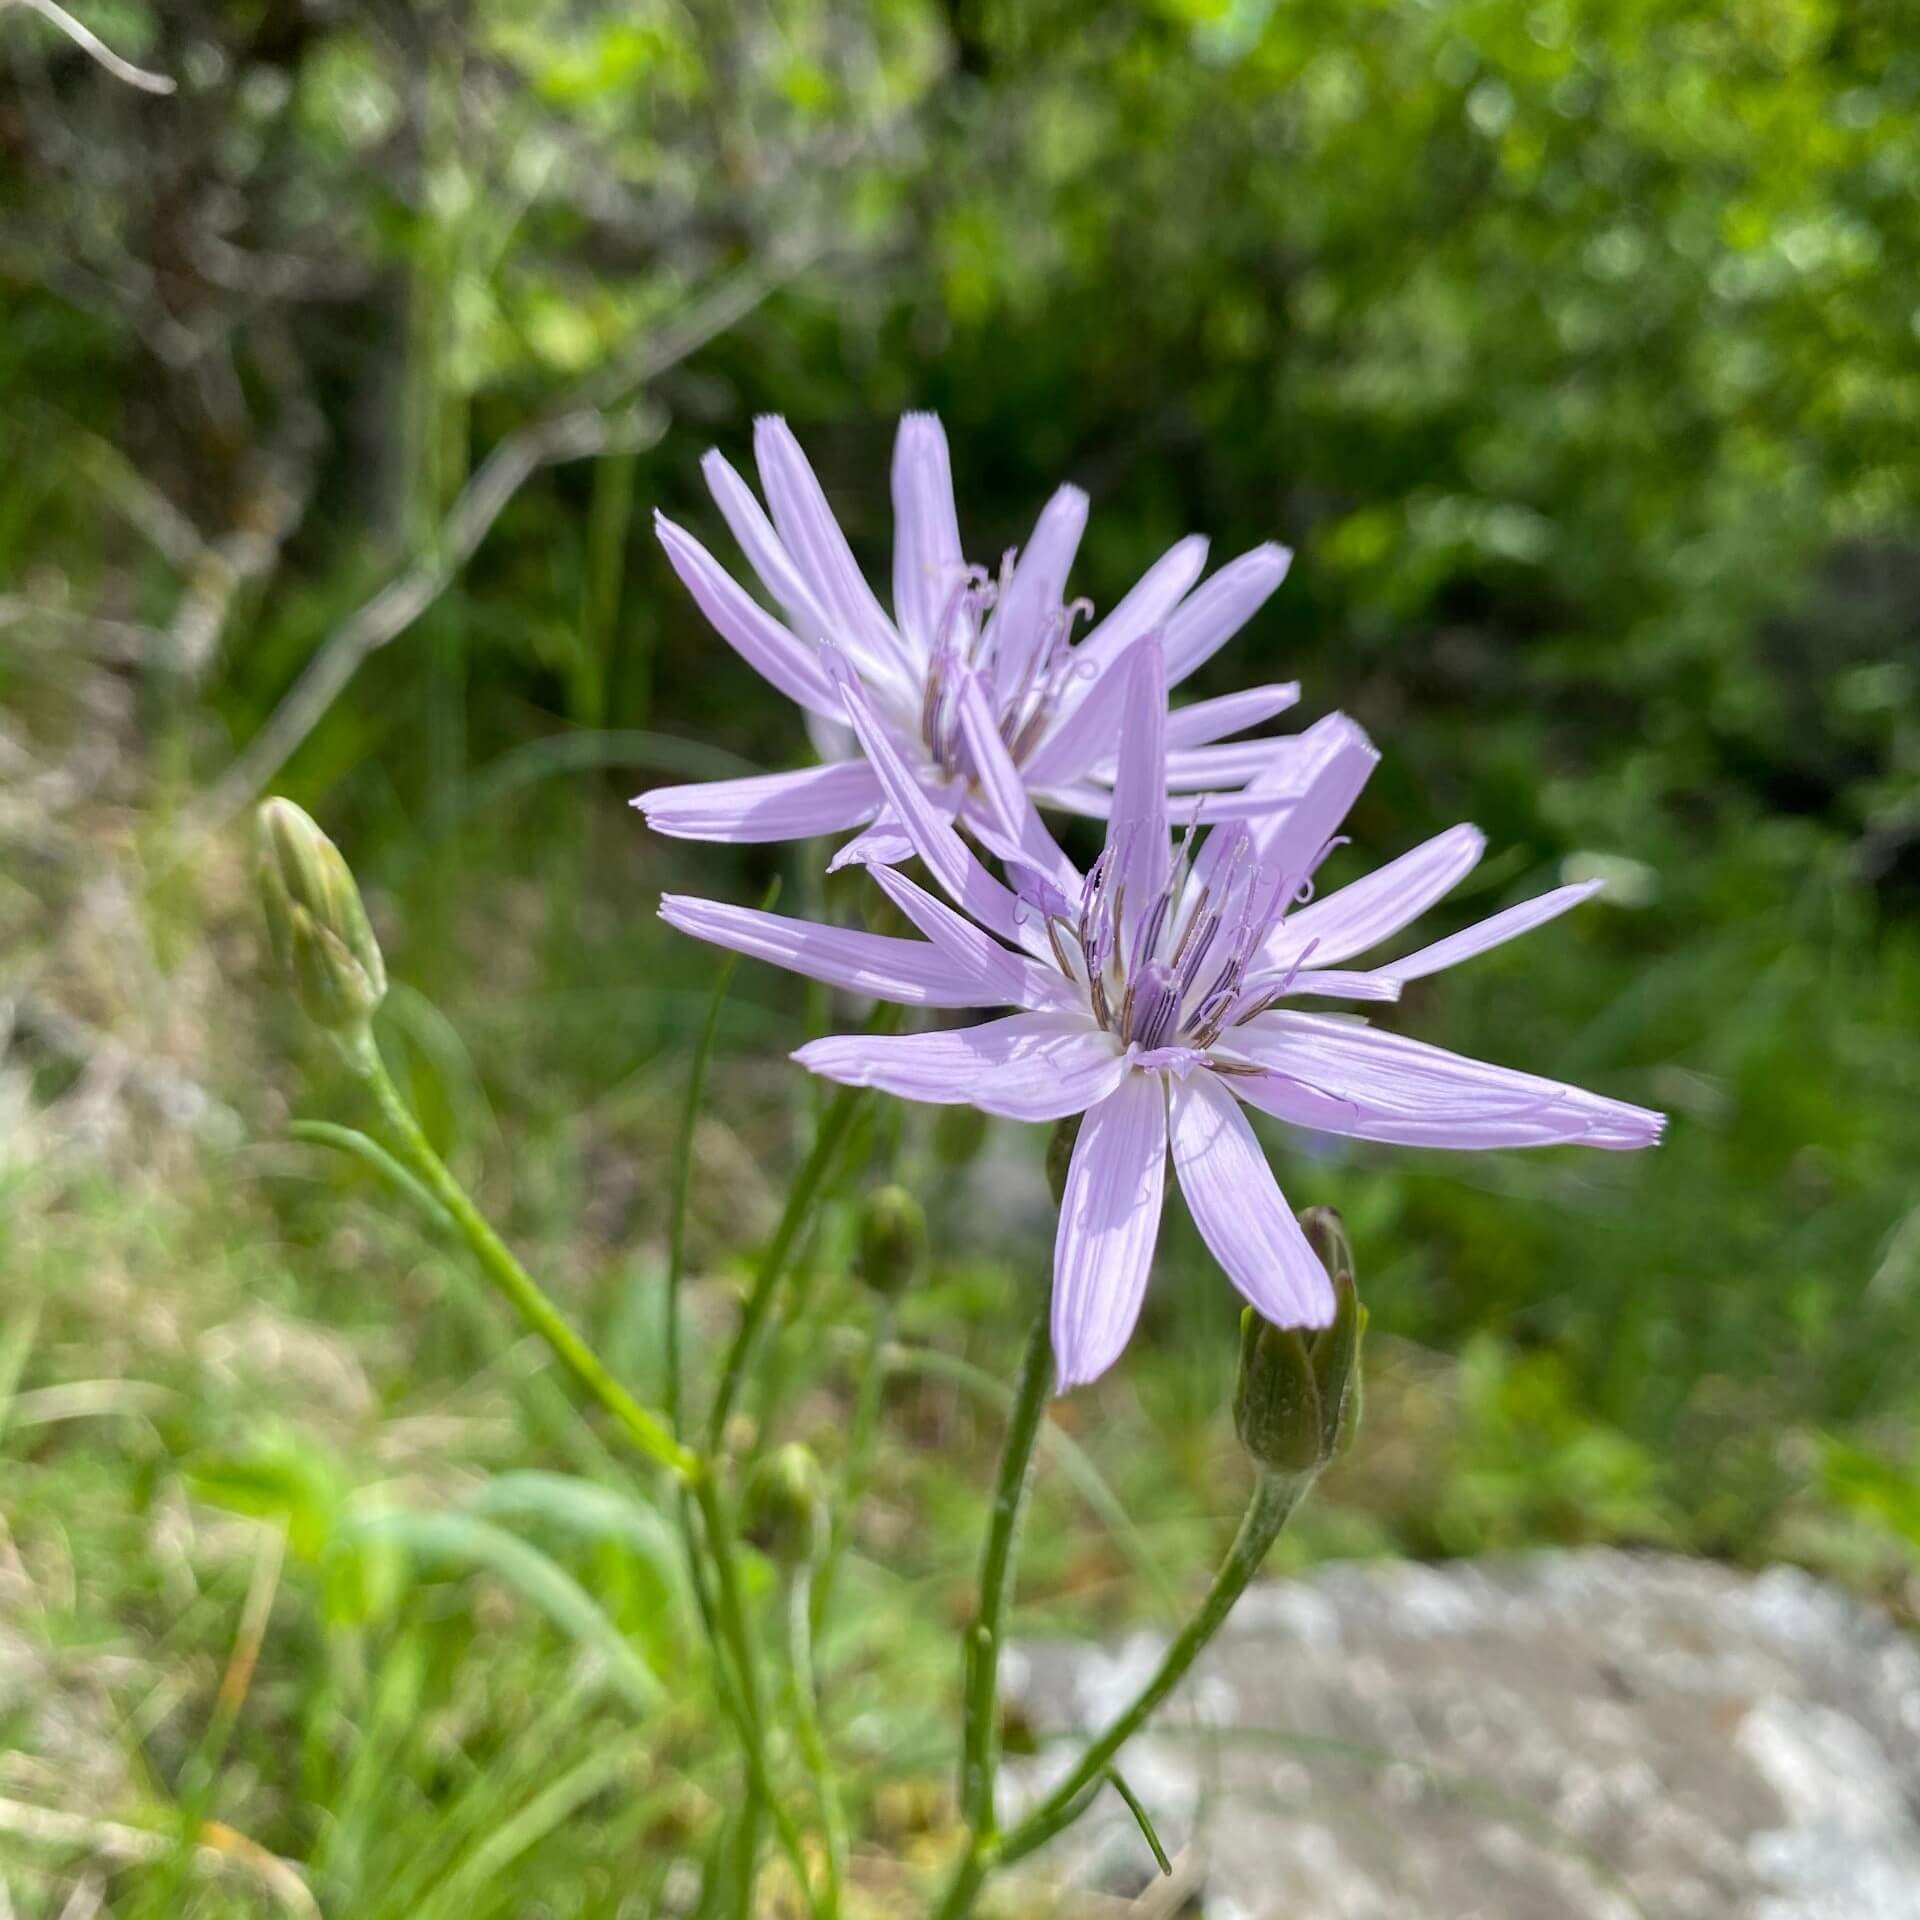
(1573,346)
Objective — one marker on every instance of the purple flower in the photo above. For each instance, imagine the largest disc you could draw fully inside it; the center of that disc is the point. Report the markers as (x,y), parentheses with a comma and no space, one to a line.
(1153,993)
(958,646)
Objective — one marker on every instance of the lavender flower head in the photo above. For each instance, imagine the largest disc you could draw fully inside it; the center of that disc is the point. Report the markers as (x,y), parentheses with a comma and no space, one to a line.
(957,638)
(1154,996)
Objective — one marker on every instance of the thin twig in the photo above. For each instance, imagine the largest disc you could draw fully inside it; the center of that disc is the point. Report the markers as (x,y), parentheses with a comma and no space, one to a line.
(589,427)
(97,49)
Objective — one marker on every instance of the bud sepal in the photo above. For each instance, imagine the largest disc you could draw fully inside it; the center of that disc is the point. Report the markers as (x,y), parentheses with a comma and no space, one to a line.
(783,1507)
(1296,1400)
(317,923)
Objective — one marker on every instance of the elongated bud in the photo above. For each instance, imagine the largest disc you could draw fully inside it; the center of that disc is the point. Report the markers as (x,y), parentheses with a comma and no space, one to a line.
(1297,1399)
(783,1509)
(959,1132)
(893,1240)
(1060,1145)
(316,922)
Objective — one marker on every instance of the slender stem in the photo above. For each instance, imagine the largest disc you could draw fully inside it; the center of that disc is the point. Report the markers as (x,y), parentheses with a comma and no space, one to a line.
(1274,1499)
(639,1427)
(683,1180)
(813,1746)
(835,1124)
(735,1634)
(980,1740)
(860,1438)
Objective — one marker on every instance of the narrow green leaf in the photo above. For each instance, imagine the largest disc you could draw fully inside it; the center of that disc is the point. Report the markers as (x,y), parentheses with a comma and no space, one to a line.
(1141,1818)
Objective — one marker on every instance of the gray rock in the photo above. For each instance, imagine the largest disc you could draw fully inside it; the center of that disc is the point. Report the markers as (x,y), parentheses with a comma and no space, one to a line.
(1586,1736)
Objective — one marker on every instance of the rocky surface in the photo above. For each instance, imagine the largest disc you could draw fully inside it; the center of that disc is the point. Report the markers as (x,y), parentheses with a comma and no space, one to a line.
(1588,1736)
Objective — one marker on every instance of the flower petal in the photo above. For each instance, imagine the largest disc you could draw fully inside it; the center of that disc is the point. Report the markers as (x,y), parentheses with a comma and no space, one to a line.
(1201,722)
(1401,1089)
(1210,616)
(1547,1126)
(1083,732)
(766,806)
(880,845)
(1373,908)
(754,634)
(912,973)
(1109,1221)
(948,859)
(1138,830)
(1028,1066)
(747,521)
(1240,1211)
(1491,932)
(812,536)
(1083,737)
(1036,590)
(1147,603)
(927,561)
(1021,981)
(1001,789)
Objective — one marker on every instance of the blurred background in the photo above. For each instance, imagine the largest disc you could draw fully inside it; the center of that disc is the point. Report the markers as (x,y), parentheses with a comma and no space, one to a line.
(1575,350)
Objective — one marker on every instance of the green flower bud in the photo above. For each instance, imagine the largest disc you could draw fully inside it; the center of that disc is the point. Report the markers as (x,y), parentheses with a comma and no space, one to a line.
(1060,1145)
(1297,1399)
(783,1509)
(893,1240)
(316,923)
(959,1132)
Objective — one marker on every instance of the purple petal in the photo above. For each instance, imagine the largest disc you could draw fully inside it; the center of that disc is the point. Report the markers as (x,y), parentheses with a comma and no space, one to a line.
(1002,792)
(1084,737)
(880,845)
(1398,1088)
(1109,1220)
(1036,590)
(967,882)
(1207,619)
(750,527)
(1331,983)
(1232,764)
(1146,607)
(1083,734)
(909,972)
(766,806)
(1019,981)
(1547,1126)
(754,634)
(1029,1066)
(1492,932)
(1240,1211)
(927,562)
(1202,722)
(1377,906)
(1138,829)
(812,536)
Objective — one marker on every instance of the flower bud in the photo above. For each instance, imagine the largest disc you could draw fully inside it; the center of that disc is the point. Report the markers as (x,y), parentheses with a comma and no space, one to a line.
(315,921)
(1297,1399)
(959,1132)
(893,1241)
(783,1509)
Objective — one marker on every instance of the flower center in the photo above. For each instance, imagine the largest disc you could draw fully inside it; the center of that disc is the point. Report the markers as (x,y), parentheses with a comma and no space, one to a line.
(1024,675)
(1183,969)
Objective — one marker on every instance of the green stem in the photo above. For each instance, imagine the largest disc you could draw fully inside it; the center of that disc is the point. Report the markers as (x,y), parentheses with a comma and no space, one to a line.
(980,1738)
(860,1438)
(1274,1499)
(524,1294)
(835,1124)
(735,1635)
(813,1746)
(683,1177)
